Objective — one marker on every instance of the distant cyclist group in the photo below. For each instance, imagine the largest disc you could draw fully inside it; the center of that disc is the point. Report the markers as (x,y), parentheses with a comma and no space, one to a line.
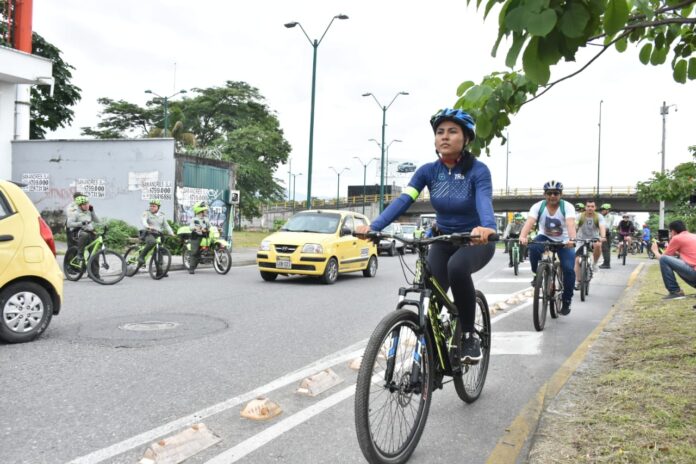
(80,233)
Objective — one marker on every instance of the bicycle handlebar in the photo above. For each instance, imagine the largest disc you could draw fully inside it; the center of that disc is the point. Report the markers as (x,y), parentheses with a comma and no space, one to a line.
(463,238)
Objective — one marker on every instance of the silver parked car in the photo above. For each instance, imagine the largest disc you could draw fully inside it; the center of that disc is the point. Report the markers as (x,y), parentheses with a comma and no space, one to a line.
(390,245)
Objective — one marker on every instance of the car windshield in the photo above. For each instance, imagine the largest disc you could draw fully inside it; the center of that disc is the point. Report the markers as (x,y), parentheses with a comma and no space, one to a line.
(408,229)
(322,223)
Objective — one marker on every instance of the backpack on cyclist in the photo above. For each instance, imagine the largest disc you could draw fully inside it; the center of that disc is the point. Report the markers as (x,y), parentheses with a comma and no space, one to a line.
(595,219)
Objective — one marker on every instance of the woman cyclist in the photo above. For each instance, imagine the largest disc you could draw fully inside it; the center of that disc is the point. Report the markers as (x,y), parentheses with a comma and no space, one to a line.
(461,194)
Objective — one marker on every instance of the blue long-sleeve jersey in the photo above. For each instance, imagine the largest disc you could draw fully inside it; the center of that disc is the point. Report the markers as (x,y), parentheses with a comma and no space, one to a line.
(461,201)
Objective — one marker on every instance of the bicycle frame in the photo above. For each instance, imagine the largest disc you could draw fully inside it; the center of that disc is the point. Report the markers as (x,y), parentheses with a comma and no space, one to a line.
(90,249)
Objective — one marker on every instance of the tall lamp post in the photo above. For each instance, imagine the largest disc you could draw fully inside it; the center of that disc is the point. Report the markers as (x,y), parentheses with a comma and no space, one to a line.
(166,106)
(599,145)
(664,110)
(365,165)
(294,177)
(315,44)
(384,124)
(507,161)
(338,184)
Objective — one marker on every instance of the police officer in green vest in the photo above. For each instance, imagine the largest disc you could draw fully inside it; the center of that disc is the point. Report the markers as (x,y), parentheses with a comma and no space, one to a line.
(200,226)
(154,224)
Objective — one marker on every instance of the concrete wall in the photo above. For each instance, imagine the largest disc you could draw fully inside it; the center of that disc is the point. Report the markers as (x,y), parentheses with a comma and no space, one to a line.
(117,175)
(7,124)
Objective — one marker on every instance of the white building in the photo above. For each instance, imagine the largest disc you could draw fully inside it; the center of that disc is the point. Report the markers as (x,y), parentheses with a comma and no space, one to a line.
(18,72)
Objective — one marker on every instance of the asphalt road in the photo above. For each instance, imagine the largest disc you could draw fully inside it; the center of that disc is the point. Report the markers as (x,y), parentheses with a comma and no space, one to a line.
(124,365)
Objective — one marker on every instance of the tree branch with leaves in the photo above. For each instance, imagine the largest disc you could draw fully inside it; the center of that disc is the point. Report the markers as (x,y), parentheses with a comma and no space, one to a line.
(544,32)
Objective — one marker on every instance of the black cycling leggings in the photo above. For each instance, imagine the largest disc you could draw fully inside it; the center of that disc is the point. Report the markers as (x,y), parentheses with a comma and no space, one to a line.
(459,263)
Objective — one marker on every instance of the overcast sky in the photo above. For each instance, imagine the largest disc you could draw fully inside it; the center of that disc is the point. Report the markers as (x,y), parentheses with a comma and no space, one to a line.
(121,48)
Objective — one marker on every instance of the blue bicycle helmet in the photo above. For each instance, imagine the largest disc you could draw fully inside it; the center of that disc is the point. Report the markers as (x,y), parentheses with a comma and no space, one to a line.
(459,117)
(553,185)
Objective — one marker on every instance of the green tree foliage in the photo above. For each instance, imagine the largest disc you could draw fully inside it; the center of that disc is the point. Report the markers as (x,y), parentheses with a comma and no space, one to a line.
(675,187)
(233,120)
(544,32)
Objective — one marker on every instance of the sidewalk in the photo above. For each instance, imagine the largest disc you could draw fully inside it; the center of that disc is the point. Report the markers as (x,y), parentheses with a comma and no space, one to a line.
(240,257)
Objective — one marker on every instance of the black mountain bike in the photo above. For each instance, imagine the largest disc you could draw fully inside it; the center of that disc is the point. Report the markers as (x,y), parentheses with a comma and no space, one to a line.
(409,354)
(623,249)
(548,285)
(586,247)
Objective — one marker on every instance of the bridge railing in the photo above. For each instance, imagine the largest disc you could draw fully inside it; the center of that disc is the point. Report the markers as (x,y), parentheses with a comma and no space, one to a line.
(425,196)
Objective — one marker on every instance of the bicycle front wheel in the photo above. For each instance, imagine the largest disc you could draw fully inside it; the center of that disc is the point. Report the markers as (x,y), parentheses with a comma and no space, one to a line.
(131,259)
(222,260)
(623,255)
(516,260)
(541,298)
(72,269)
(394,389)
(470,383)
(106,267)
(159,263)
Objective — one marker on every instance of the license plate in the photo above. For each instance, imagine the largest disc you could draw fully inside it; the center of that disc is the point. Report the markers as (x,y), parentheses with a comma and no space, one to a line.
(283,263)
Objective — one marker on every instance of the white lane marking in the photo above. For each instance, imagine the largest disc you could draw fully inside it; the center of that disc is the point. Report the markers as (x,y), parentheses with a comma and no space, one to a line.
(103,454)
(527,343)
(331,360)
(253,443)
(509,280)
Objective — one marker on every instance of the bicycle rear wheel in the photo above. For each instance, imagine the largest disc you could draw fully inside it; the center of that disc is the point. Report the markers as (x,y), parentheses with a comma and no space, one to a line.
(469,383)
(583,278)
(71,269)
(131,259)
(222,260)
(541,298)
(159,265)
(110,267)
(394,389)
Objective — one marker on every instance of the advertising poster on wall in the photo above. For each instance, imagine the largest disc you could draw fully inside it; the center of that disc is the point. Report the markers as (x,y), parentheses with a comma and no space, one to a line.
(92,188)
(136,180)
(161,190)
(35,182)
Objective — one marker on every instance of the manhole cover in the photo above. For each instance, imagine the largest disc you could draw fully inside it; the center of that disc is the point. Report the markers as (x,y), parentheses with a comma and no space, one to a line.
(149,326)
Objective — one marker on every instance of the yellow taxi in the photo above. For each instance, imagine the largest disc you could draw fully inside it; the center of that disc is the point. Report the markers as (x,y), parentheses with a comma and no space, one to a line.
(318,243)
(31,282)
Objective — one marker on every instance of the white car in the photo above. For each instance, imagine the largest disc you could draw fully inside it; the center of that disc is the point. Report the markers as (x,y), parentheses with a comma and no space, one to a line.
(408,231)
(391,245)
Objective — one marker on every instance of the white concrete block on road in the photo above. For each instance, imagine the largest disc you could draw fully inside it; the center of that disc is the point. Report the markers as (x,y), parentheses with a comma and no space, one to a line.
(260,408)
(509,280)
(522,343)
(319,383)
(493,298)
(179,447)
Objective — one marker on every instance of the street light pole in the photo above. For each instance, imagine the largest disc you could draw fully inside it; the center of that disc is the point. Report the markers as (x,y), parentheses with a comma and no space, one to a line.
(664,110)
(315,45)
(294,191)
(599,146)
(165,104)
(365,165)
(507,161)
(386,155)
(289,177)
(338,184)
(384,124)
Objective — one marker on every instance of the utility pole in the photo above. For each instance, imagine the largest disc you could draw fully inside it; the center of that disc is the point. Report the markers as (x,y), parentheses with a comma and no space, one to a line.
(664,110)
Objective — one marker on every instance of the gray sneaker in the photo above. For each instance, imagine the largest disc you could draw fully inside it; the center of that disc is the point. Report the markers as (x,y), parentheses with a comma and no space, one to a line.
(675,296)
(471,349)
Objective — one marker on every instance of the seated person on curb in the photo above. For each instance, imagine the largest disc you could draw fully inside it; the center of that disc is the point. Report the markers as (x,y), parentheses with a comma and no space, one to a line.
(154,223)
(590,225)
(684,243)
(513,230)
(556,218)
(200,226)
(625,229)
(461,192)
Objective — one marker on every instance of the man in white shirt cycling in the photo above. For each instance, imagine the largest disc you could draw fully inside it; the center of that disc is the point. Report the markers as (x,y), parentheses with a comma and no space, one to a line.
(556,218)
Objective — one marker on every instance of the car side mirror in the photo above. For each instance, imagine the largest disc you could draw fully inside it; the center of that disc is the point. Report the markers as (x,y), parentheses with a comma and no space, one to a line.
(345,231)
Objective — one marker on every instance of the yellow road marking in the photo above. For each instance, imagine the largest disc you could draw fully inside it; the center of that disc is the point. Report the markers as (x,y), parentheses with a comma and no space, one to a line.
(510,445)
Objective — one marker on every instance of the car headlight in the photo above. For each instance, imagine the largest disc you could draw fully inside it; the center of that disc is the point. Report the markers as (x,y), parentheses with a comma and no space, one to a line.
(312,248)
(265,246)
